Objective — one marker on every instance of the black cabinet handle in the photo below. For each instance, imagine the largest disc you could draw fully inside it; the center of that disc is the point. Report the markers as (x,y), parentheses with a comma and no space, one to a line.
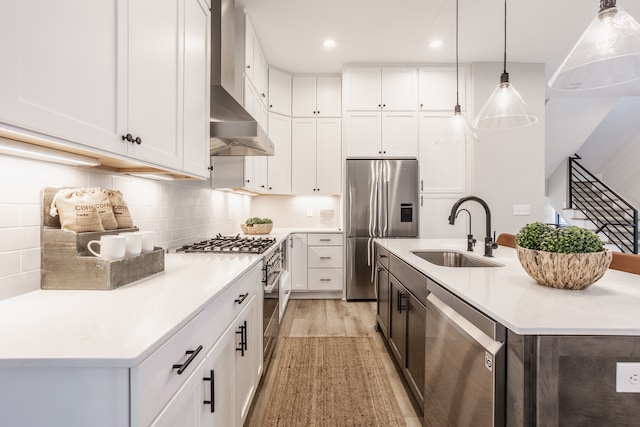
(248,66)
(211,402)
(382,256)
(243,338)
(400,306)
(241,298)
(193,354)
(131,139)
(137,140)
(270,105)
(263,95)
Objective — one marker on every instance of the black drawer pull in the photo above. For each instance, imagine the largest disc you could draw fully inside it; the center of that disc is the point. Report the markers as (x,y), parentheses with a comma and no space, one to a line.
(241,298)
(382,256)
(243,338)
(325,257)
(325,280)
(325,240)
(401,306)
(193,354)
(211,402)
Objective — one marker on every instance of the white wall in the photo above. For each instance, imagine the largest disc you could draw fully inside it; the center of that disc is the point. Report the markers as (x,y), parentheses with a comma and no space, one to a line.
(509,165)
(298,211)
(178,212)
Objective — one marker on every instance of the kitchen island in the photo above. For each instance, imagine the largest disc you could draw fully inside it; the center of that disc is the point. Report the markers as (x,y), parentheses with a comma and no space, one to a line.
(558,364)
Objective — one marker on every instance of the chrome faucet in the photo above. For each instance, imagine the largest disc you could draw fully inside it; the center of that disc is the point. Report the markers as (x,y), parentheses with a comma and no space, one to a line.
(489,244)
(471,242)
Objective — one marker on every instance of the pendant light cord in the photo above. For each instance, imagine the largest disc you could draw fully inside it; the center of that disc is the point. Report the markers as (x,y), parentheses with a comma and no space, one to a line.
(504,70)
(457,68)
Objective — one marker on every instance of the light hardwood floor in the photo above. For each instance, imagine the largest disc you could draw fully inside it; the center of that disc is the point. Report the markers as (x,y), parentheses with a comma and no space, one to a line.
(333,318)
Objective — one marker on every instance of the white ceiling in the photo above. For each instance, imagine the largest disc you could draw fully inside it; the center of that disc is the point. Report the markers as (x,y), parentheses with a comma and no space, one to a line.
(291,32)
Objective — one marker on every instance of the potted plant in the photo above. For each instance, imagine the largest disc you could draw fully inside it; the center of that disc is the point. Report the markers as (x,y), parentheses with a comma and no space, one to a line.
(257,225)
(565,257)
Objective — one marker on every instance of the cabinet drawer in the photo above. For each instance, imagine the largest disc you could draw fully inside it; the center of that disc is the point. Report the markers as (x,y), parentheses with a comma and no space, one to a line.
(221,312)
(382,256)
(325,239)
(324,257)
(155,381)
(325,279)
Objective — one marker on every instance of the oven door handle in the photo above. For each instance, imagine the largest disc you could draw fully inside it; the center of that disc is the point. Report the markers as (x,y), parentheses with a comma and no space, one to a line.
(269,288)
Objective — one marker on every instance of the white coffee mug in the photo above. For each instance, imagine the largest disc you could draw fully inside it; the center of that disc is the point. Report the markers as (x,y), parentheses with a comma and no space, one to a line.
(147,241)
(111,247)
(133,243)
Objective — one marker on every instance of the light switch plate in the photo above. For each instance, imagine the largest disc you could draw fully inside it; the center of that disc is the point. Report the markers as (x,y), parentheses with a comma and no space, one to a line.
(522,209)
(628,377)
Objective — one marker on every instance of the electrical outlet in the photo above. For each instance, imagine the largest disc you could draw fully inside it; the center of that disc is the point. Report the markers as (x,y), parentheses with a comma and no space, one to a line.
(309,212)
(627,377)
(522,209)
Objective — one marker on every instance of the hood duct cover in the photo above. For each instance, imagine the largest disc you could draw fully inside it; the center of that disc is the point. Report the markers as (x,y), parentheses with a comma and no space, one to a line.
(233,131)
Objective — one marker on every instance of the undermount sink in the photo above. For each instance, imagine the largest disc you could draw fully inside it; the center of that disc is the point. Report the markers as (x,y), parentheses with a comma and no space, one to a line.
(453,259)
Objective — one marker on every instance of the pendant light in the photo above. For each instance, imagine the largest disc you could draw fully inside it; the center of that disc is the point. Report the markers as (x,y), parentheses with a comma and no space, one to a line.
(505,109)
(457,130)
(607,53)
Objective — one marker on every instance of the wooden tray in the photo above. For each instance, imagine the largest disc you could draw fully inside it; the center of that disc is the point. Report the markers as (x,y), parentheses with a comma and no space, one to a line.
(67,264)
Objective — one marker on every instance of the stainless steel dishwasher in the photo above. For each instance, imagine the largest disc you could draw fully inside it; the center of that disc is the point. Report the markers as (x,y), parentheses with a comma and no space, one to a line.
(465,364)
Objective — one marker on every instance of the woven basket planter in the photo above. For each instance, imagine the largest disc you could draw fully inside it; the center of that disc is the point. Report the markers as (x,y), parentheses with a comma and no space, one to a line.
(256,228)
(564,271)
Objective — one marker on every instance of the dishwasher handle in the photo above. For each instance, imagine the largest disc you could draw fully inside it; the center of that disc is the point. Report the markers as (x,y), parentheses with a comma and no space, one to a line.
(465,325)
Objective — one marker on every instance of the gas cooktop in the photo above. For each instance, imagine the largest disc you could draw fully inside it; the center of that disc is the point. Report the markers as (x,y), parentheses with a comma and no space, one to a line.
(230,244)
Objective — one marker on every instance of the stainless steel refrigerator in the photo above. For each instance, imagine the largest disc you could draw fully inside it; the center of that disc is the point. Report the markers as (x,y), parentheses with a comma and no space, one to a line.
(381,200)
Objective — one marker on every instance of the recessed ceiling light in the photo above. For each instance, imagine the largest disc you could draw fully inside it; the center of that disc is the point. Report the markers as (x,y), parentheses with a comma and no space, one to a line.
(329,44)
(436,43)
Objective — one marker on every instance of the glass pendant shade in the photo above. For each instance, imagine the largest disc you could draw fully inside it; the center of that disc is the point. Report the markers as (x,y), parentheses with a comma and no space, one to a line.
(607,54)
(457,130)
(505,109)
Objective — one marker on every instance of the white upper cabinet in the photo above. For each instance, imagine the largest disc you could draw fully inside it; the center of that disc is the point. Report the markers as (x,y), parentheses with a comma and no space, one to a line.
(438,88)
(387,89)
(87,74)
(279,165)
(255,64)
(317,96)
(279,92)
(390,134)
(63,70)
(316,159)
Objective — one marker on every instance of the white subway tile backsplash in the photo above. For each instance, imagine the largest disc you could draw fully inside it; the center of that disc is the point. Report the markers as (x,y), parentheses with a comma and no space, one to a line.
(179,212)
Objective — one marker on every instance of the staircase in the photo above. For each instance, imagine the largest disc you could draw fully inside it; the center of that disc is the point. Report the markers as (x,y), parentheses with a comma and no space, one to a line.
(596,206)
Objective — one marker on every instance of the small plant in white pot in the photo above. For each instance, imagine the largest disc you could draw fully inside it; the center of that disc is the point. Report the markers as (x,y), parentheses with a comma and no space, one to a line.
(565,257)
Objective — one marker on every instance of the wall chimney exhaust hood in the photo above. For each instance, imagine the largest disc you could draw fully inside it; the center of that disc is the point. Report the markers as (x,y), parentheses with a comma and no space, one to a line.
(233,131)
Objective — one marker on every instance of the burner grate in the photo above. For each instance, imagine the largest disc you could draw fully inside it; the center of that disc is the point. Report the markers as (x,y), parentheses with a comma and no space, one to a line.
(230,244)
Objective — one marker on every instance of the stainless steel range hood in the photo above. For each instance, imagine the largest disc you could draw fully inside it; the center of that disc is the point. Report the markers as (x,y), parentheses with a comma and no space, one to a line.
(233,131)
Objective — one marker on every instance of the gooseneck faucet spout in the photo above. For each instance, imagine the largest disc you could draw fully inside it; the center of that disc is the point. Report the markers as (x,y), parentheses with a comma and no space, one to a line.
(489,245)
(471,242)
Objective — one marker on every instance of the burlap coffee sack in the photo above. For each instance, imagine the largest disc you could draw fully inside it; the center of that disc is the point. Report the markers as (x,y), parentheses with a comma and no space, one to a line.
(103,205)
(76,214)
(120,208)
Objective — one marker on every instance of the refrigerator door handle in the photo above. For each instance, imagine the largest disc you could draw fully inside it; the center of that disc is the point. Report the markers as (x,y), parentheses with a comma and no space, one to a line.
(373,200)
(385,170)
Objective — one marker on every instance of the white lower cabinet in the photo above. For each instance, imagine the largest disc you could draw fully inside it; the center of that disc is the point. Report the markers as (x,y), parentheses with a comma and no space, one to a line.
(317,260)
(205,374)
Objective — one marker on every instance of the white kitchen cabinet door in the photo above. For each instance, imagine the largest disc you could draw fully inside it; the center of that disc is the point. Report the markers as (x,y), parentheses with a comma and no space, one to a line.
(186,406)
(438,88)
(329,96)
(304,96)
(279,165)
(196,100)
(279,92)
(328,156)
(443,168)
(362,89)
(64,71)
(218,388)
(363,137)
(399,89)
(303,156)
(299,262)
(249,41)
(245,381)
(154,97)
(400,134)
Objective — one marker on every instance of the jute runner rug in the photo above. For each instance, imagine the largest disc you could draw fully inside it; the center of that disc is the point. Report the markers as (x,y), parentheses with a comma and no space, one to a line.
(331,381)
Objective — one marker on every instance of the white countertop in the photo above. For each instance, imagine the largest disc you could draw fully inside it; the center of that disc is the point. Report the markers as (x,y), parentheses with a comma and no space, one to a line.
(121,327)
(611,306)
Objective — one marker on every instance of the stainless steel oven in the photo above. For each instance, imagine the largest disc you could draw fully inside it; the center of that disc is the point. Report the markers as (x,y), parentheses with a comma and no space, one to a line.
(273,266)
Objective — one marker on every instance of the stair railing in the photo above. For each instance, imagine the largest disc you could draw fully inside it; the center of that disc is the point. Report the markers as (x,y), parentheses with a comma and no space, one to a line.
(611,214)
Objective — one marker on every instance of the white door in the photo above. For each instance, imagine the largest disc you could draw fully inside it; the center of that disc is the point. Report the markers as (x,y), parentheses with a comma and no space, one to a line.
(329,96)
(362,89)
(64,69)
(438,88)
(328,157)
(218,388)
(244,362)
(363,136)
(279,92)
(279,165)
(399,88)
(303,156)
(303,96)
(400,134)
(196,100)
(299,263)
(154,100)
